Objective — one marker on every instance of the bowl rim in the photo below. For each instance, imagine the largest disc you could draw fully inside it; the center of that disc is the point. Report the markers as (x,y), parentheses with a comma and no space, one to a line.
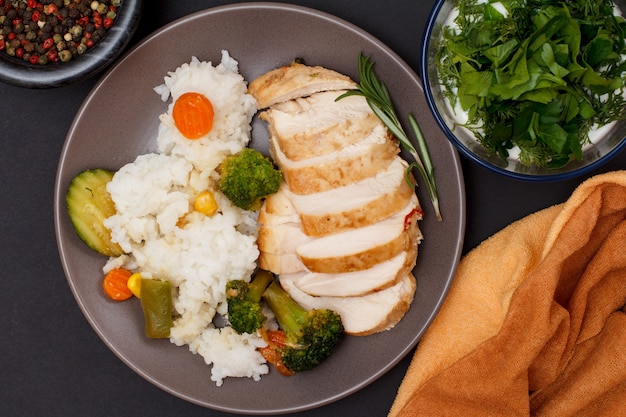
(431,23)
(103,53)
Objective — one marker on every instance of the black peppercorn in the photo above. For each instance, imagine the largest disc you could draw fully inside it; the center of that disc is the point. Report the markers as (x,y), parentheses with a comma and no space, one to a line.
(18,28)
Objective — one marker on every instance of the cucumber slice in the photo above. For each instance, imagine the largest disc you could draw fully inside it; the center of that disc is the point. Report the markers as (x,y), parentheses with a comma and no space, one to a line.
(88,204)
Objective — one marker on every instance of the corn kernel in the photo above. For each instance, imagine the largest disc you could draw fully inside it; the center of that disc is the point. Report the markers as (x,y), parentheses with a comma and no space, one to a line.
(134,284)
(205,203)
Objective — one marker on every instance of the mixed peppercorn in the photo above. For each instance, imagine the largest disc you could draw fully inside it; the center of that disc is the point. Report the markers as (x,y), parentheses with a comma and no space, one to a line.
(46,31)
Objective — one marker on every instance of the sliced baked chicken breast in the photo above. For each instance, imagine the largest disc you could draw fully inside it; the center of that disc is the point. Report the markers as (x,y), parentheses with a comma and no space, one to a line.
(362,315)
(296,80)
(352,250)
(350,164)
(319,124)
(342,231)
(281,263)
(350,284)
(355,205)
(362,248)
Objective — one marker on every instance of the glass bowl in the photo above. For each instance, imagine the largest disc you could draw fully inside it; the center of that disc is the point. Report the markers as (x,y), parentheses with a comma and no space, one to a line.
(607,145)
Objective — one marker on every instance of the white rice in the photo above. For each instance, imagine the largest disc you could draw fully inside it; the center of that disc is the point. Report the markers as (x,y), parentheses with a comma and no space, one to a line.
(165,239)
(226,89)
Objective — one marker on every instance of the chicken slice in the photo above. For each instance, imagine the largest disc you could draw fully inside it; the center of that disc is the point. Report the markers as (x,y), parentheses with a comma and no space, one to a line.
(363,315)
(281,263)
(295,80)
(279,231)
(281,238)
(350,284)
(353,163)
(362,248)
(319,124)
(355,205)
(278,208)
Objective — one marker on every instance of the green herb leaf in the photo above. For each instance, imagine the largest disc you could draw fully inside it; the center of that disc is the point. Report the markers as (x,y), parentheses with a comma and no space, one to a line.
(379,100)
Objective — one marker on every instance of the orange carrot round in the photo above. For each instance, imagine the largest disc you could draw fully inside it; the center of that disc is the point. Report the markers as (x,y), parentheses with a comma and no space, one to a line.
(114,284)
(193,115)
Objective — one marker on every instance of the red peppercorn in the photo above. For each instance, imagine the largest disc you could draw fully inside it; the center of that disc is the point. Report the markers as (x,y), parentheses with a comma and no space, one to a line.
(89,43)
(2,45)
(35,16)
(31,3)
(16,21)
(53,56)
(83,21)
(51,9)
(11,36)
(19,52)
(108,22)
(47,44)
(97,20)
(34,58)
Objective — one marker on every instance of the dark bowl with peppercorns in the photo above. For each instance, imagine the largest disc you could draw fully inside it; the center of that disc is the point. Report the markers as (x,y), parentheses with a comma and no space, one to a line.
(51,43)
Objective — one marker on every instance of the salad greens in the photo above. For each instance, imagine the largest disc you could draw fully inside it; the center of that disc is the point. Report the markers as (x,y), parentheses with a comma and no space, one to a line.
(535,74)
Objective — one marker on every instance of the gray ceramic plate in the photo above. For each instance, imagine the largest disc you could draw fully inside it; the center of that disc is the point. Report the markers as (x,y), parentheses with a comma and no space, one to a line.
(119,120)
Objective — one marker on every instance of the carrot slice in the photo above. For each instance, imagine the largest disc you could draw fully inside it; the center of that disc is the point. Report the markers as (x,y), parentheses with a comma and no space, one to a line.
(193,115)
(115,284)
(271,353)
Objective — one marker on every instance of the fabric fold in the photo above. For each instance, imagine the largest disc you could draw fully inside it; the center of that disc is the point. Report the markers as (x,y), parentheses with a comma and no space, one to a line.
(534,322)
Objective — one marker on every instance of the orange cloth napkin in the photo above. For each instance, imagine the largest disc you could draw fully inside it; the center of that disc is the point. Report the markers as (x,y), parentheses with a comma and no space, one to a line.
(534,323)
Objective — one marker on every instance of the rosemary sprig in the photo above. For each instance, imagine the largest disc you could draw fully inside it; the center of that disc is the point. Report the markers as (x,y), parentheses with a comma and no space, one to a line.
(378,97)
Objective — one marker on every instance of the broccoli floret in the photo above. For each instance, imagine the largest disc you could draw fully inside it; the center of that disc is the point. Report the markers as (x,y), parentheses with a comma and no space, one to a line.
(244,302)
(310,335)
(247,177)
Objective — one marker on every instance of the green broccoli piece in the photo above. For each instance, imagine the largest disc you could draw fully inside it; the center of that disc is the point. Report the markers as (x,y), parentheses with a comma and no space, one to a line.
(310,335)
(247,177)
(244,302)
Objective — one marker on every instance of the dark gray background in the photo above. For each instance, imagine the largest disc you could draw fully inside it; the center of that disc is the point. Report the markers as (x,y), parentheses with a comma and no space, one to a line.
(51,362)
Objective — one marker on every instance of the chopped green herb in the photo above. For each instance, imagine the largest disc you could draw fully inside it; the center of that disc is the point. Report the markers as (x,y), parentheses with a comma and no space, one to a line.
(535,74)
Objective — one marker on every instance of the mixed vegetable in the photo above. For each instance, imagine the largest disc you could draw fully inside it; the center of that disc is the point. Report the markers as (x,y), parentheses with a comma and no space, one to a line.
(305,338)
(88,204)
(310,335)
(193,115)
(247,177)
(245,312)
(538,75)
